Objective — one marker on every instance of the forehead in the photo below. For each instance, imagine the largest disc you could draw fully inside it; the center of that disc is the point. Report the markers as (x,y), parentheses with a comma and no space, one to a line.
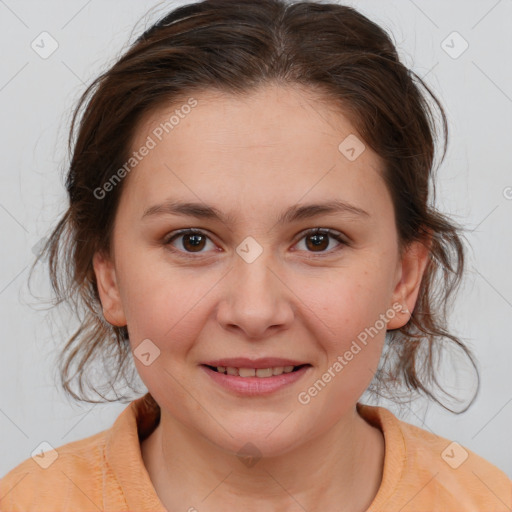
(285,111)
(273,144)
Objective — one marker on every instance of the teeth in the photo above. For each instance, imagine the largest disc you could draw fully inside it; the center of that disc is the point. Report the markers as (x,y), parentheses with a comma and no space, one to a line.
(247,372)
(253,372)
(264,372)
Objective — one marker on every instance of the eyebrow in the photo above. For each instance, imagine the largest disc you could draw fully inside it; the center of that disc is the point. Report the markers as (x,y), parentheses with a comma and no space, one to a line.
(292,214)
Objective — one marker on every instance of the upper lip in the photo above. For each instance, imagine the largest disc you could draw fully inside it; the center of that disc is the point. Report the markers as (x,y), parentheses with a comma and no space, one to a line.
(244,362)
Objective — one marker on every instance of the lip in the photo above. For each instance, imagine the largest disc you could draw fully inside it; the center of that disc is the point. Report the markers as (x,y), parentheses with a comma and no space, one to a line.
(255,386)
(263,362)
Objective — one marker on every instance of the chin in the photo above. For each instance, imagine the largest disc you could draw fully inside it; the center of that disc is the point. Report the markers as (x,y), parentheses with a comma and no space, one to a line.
(258,439)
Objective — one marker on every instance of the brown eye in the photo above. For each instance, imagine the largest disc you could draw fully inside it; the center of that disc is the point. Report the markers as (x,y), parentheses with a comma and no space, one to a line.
(193,242)
(188,241)
(319,240)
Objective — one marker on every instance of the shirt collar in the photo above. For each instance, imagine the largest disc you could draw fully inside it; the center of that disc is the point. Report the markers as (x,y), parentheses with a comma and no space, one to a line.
(139,419)
(394,450)
(123,454)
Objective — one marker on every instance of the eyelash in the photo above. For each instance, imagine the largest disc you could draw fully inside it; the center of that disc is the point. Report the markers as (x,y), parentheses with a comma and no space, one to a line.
(314,231)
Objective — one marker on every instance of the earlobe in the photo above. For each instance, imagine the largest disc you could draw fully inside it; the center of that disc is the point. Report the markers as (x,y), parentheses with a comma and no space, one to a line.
(108,290)
(412,269)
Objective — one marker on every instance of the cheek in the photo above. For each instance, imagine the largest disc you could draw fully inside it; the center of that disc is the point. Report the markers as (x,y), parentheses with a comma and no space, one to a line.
(162,303)
(351,300)
(350,336)
(165,309)
(352,307)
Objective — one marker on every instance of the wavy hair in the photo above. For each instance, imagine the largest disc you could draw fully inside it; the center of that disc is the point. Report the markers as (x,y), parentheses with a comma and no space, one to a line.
(235,47)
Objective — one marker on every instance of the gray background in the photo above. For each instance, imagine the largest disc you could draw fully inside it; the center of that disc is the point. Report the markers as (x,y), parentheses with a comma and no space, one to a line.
(474,185)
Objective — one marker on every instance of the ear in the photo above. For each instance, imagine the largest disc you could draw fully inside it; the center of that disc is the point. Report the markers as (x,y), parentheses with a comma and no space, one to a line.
(410,270)
(108,290)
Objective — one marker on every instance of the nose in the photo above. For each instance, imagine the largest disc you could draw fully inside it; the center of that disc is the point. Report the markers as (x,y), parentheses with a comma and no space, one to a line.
(256,300)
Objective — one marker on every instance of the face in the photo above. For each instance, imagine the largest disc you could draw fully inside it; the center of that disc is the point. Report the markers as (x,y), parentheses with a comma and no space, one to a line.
(254,280)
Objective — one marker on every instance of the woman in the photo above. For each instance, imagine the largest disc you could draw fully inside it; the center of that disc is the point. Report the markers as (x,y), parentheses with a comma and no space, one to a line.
(249,218)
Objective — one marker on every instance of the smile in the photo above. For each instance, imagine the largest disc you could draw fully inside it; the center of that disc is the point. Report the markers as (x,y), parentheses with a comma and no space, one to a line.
(256,372)
(255,381)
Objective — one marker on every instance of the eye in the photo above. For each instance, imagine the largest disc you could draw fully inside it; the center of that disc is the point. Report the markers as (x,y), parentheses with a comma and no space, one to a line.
(318,239)
(192,241)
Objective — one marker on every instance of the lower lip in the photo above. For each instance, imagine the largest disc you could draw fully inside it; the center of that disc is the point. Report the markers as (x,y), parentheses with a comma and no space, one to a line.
(253,386)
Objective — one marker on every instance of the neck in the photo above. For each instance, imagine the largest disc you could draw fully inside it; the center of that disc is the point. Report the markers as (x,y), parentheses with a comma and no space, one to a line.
(340,470)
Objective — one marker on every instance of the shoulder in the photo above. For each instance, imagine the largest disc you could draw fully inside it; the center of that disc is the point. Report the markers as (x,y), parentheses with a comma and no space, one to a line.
(54,478)
(464,477)
(427,472)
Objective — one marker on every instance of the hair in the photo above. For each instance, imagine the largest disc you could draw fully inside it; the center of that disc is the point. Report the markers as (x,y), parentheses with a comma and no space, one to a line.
(235,48)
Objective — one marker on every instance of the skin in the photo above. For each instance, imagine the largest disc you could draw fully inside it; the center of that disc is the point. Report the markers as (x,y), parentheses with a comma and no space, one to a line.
(253,157)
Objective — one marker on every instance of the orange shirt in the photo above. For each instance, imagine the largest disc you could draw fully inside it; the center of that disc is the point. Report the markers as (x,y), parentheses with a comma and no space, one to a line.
(423,472)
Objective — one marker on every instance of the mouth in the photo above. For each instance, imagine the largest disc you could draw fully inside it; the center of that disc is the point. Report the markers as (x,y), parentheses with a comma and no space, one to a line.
(262,373)
(247,381)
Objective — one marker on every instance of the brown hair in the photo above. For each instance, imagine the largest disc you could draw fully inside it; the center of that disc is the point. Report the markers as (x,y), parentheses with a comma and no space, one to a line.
(235,47)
